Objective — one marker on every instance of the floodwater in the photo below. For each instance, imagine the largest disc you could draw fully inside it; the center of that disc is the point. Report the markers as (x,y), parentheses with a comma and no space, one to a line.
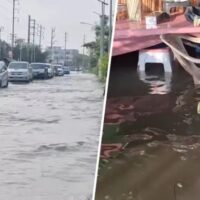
(49,133)
(151,140)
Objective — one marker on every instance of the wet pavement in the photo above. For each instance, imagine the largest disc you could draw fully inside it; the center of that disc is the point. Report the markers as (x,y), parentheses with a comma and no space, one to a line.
(49,133)
(151,140)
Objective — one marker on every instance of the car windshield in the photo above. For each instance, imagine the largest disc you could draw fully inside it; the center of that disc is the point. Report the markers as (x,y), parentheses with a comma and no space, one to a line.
(18,66)
(39,66)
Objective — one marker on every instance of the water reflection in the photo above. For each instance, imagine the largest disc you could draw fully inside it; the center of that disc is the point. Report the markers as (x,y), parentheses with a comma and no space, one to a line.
(159,84)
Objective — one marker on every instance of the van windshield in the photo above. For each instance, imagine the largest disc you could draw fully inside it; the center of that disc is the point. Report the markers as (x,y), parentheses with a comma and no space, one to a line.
(39,66)
(18,66)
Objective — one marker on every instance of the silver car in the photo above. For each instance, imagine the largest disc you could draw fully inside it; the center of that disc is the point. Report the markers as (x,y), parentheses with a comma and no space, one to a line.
(51,71)
(3,75)
(20,71)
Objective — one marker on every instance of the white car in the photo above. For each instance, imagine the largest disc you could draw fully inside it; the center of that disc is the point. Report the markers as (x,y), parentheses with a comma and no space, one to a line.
(59,71)
(20,71)
(3,75)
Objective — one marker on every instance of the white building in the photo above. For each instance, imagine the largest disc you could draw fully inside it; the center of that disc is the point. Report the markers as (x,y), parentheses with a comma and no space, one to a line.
(57,56)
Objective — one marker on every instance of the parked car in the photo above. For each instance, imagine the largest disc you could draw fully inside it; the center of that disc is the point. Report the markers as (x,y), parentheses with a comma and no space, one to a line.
(51,71)
(20,71)
(59,71)
(3,74)
(66,70)
(40,70)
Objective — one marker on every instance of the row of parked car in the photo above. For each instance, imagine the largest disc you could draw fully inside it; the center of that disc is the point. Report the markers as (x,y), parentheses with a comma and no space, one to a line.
(23,71)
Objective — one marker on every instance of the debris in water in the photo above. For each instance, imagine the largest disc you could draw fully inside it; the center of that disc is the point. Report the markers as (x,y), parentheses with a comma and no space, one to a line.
(107,197)
(179,185)
(183,158)
(142,152)
(198,108)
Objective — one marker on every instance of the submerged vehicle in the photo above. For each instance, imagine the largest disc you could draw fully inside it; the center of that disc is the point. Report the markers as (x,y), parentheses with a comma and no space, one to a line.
(3,74)
(40,70)
(20,71)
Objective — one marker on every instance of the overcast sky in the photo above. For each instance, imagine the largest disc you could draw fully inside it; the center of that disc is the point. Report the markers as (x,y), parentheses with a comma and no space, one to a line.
(64,15)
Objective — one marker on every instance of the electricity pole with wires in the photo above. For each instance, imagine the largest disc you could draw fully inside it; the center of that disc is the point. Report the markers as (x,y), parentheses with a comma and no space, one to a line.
(41,34)
(84,38)
(13,25)
(32,32)
(110,24)
(103,4)
(65,57)
(29,38)
(1,29)
(53,35)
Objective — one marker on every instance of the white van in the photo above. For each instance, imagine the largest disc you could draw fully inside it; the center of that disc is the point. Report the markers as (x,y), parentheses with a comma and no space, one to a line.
(20,71)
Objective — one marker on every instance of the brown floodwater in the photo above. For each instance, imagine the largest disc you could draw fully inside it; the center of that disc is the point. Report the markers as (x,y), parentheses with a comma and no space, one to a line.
(151,139)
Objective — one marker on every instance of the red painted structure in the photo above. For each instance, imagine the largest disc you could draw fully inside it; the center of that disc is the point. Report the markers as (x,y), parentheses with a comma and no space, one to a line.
(131,36)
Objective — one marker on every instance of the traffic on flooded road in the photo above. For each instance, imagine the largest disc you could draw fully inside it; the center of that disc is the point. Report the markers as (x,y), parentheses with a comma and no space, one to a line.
(49,137)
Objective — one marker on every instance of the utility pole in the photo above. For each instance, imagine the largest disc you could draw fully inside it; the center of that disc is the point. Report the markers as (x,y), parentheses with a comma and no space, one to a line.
(65,57)
(110,27)
(29,38)
(1,29)
(29,29)
(41,29)
(83,52)
(103,4)
(34,40)
(53,33)
(32,28)
(13,25)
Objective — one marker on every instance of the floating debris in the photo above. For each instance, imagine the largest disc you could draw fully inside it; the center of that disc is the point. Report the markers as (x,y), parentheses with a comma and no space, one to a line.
(142,152)
(179,185)
(107,197)
(183,158)
(198,108)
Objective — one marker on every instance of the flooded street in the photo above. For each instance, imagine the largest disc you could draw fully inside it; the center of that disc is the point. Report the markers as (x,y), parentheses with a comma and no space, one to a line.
(49,132)
(151,140)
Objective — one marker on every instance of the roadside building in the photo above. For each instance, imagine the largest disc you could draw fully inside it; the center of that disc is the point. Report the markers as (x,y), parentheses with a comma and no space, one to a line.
(58,55)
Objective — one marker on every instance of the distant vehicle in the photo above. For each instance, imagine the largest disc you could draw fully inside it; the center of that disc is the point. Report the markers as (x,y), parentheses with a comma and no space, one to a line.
(40,70)
(3,74)
(66,70)
(59,71)
(20,71)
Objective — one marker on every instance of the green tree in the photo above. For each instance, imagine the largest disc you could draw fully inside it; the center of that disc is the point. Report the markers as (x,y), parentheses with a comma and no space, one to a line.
(94,49)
